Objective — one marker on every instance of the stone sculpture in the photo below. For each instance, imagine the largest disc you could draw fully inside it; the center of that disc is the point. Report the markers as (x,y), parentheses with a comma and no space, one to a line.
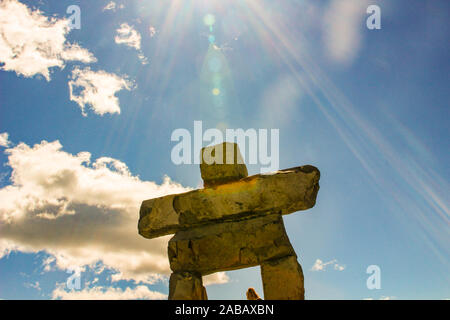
(234,222)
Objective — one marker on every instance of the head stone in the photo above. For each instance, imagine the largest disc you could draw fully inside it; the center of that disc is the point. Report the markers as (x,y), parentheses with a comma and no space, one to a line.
(222,163)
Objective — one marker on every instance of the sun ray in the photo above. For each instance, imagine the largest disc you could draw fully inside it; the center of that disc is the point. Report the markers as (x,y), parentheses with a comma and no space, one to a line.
(430,211)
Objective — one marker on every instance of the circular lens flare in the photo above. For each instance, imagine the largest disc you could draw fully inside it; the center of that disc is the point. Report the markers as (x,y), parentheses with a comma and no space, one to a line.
(209,20)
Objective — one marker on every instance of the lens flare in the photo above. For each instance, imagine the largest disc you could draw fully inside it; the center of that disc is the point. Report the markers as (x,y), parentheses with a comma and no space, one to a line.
(214,64)
(209,20)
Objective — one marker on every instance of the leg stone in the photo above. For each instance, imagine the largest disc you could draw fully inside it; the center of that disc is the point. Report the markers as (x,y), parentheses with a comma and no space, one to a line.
(282,279)
(186,286)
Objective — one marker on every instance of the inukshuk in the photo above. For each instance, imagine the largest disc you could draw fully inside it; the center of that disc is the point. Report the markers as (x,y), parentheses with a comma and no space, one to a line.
(234,222)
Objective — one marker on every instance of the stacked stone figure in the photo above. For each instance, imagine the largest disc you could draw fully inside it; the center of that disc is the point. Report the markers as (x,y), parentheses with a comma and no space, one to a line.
(234,222)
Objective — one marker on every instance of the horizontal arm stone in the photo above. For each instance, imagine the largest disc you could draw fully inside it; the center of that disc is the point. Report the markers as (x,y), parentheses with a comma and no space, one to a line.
(157,217)
(283,192)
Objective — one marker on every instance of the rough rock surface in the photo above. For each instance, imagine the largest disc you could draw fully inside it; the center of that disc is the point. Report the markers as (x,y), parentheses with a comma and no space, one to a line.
(158,217)
(229,245)
(186,286)
(283,279)
(222,163)
(284,192)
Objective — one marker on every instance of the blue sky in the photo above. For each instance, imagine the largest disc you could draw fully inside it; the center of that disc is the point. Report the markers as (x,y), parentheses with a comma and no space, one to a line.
(369,108)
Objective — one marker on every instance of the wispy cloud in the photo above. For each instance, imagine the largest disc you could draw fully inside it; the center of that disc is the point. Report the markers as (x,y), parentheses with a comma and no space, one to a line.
(338,267)
(112,6)
(130,37)
(343,24)
(48,263)
(319,265)
(152,31)
(34,285)
(97,89)
(31,43)
(4,142)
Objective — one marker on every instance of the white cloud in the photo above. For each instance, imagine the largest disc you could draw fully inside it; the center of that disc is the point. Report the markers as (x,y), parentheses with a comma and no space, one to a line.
(4,142)
(31,43)
(319,265)
(127,35)
(113,6)
(383,298)
(80,212)
(108,293)
(110,6)
(339,267)
(343,23)
(97,89)
(142,58)
(152,31)
(215,278)
(34,285)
